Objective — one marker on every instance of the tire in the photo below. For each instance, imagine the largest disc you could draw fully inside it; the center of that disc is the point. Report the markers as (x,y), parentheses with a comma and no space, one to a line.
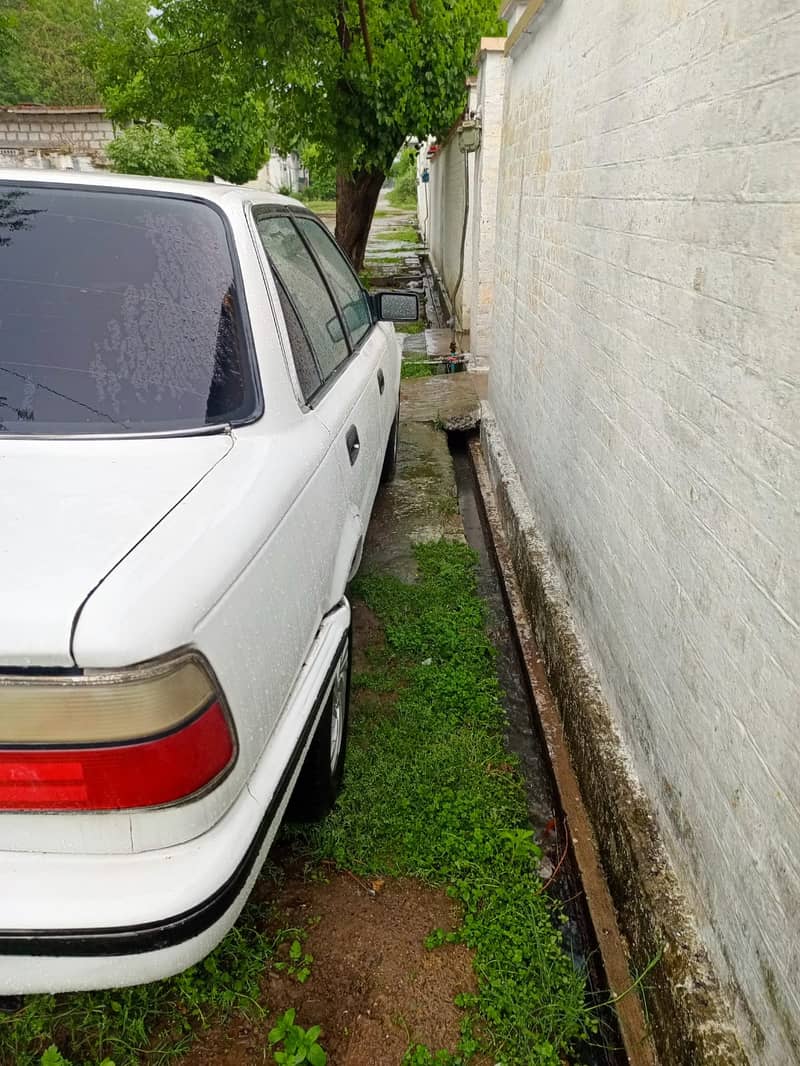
(390,458)
(320,779)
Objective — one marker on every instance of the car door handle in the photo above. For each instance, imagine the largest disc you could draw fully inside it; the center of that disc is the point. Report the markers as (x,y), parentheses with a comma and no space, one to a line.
(381,381)
(353,444)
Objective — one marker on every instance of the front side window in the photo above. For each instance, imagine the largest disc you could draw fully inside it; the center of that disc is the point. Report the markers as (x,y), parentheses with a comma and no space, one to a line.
(119,312)
(301,279)
(346,288)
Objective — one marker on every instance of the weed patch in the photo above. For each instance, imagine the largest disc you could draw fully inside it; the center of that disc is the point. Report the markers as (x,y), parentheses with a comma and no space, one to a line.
(411,327)
(410,369)
(422,797)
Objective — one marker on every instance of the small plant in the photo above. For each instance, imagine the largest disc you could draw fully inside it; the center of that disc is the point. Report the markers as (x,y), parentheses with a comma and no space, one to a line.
(300,1046)
(298,965)
(419,1055)
(53,1057)
(411,369)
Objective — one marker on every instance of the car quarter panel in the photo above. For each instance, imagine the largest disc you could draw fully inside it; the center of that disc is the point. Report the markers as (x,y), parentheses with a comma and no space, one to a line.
(205,881)
(72,509)
(242,570)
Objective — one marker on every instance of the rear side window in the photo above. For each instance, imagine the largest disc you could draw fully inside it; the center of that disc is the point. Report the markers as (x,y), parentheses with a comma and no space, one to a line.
(298,272)
(119,312)
(346,287)
(308,373)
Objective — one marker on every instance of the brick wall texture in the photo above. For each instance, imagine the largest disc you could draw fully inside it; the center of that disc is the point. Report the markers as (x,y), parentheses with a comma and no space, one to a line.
(646,374)
(490,89)
(70,134)
(446,196)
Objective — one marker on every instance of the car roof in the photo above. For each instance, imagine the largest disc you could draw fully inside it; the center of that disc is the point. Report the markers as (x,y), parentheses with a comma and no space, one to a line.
(216,191)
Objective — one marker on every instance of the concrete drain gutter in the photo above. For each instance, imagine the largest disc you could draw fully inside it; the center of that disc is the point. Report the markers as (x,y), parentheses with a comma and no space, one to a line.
(582,851)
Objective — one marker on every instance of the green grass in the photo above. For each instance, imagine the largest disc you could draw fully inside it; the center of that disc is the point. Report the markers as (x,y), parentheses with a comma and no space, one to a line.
(410,369)
(402,233)
(411,327)
(154,1022)
(402,202)
(321,207)
(431,792)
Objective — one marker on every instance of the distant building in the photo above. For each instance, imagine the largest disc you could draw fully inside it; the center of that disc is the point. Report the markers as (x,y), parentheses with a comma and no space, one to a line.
(281,172)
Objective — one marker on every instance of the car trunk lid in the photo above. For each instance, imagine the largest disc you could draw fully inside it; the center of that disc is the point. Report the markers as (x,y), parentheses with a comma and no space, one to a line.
(72,510)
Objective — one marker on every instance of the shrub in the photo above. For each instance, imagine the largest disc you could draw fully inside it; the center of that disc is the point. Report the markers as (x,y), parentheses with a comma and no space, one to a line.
(161,152)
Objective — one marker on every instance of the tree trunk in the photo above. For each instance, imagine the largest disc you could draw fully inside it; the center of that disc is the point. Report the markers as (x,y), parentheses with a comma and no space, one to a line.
(356,198)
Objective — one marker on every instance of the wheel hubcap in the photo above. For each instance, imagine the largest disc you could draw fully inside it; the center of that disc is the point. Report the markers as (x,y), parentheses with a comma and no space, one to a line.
(338,701)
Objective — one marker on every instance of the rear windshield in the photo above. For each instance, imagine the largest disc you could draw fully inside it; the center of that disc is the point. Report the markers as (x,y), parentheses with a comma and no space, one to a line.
(119,313)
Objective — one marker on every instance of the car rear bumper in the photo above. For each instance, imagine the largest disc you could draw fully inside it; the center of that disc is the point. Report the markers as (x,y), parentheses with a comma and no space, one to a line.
(73,922)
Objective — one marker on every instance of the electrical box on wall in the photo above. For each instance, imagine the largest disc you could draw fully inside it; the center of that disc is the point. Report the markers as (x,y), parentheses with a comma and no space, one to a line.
(469,135)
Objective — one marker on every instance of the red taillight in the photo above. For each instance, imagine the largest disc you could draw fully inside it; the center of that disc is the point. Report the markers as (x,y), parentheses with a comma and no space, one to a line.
(132,770)
(111,778)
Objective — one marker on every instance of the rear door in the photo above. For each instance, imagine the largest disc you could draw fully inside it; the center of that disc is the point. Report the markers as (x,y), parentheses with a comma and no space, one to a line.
(346,353)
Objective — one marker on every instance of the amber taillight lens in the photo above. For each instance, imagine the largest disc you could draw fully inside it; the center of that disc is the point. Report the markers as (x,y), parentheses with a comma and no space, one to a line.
(140,737)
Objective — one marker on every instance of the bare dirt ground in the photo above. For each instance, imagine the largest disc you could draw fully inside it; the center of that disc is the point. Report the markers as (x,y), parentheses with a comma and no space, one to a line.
(374,988)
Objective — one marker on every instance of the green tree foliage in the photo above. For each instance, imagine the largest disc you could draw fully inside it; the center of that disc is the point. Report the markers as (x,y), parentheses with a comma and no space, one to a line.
(42,44)
(153,149)
(404,175)
(150,70)
(354,77)
(321,166)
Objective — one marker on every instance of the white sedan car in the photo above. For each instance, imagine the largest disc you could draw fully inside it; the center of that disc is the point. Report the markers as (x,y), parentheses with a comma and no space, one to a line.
(197,402)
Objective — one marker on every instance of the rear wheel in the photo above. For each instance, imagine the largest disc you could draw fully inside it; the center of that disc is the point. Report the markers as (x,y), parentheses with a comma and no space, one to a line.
(390,458)
(321,777)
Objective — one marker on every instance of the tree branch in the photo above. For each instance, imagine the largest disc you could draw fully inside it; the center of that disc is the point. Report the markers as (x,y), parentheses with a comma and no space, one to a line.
(414,10)
(342,29)
(362,15)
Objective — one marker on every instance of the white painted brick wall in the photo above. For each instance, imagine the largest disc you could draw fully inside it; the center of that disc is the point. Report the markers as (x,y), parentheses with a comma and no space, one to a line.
(491,87)
(646,374)
(446,198)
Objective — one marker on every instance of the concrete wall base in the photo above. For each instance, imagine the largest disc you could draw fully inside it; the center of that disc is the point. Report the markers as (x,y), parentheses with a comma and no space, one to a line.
(688,1012)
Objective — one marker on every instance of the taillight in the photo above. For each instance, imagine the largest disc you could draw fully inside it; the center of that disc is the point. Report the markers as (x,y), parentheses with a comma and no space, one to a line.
(139,737)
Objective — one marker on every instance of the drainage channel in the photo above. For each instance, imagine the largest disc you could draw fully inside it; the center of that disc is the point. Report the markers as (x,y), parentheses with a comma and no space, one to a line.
(524,739)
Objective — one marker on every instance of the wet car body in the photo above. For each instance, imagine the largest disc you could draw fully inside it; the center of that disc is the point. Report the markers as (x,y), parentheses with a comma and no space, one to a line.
(197,404)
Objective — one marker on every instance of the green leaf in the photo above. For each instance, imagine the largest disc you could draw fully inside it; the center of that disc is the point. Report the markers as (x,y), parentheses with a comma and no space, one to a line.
(53,1057)
(316,1056)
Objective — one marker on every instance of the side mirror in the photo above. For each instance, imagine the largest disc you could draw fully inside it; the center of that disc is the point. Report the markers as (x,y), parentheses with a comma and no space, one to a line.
(395,306)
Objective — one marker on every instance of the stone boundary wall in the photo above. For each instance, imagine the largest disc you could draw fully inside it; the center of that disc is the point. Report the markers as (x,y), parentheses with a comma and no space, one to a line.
(53,136)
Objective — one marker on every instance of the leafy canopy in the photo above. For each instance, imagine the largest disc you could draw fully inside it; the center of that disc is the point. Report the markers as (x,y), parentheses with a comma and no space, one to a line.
(41,51)
(354,77)
(150,69)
